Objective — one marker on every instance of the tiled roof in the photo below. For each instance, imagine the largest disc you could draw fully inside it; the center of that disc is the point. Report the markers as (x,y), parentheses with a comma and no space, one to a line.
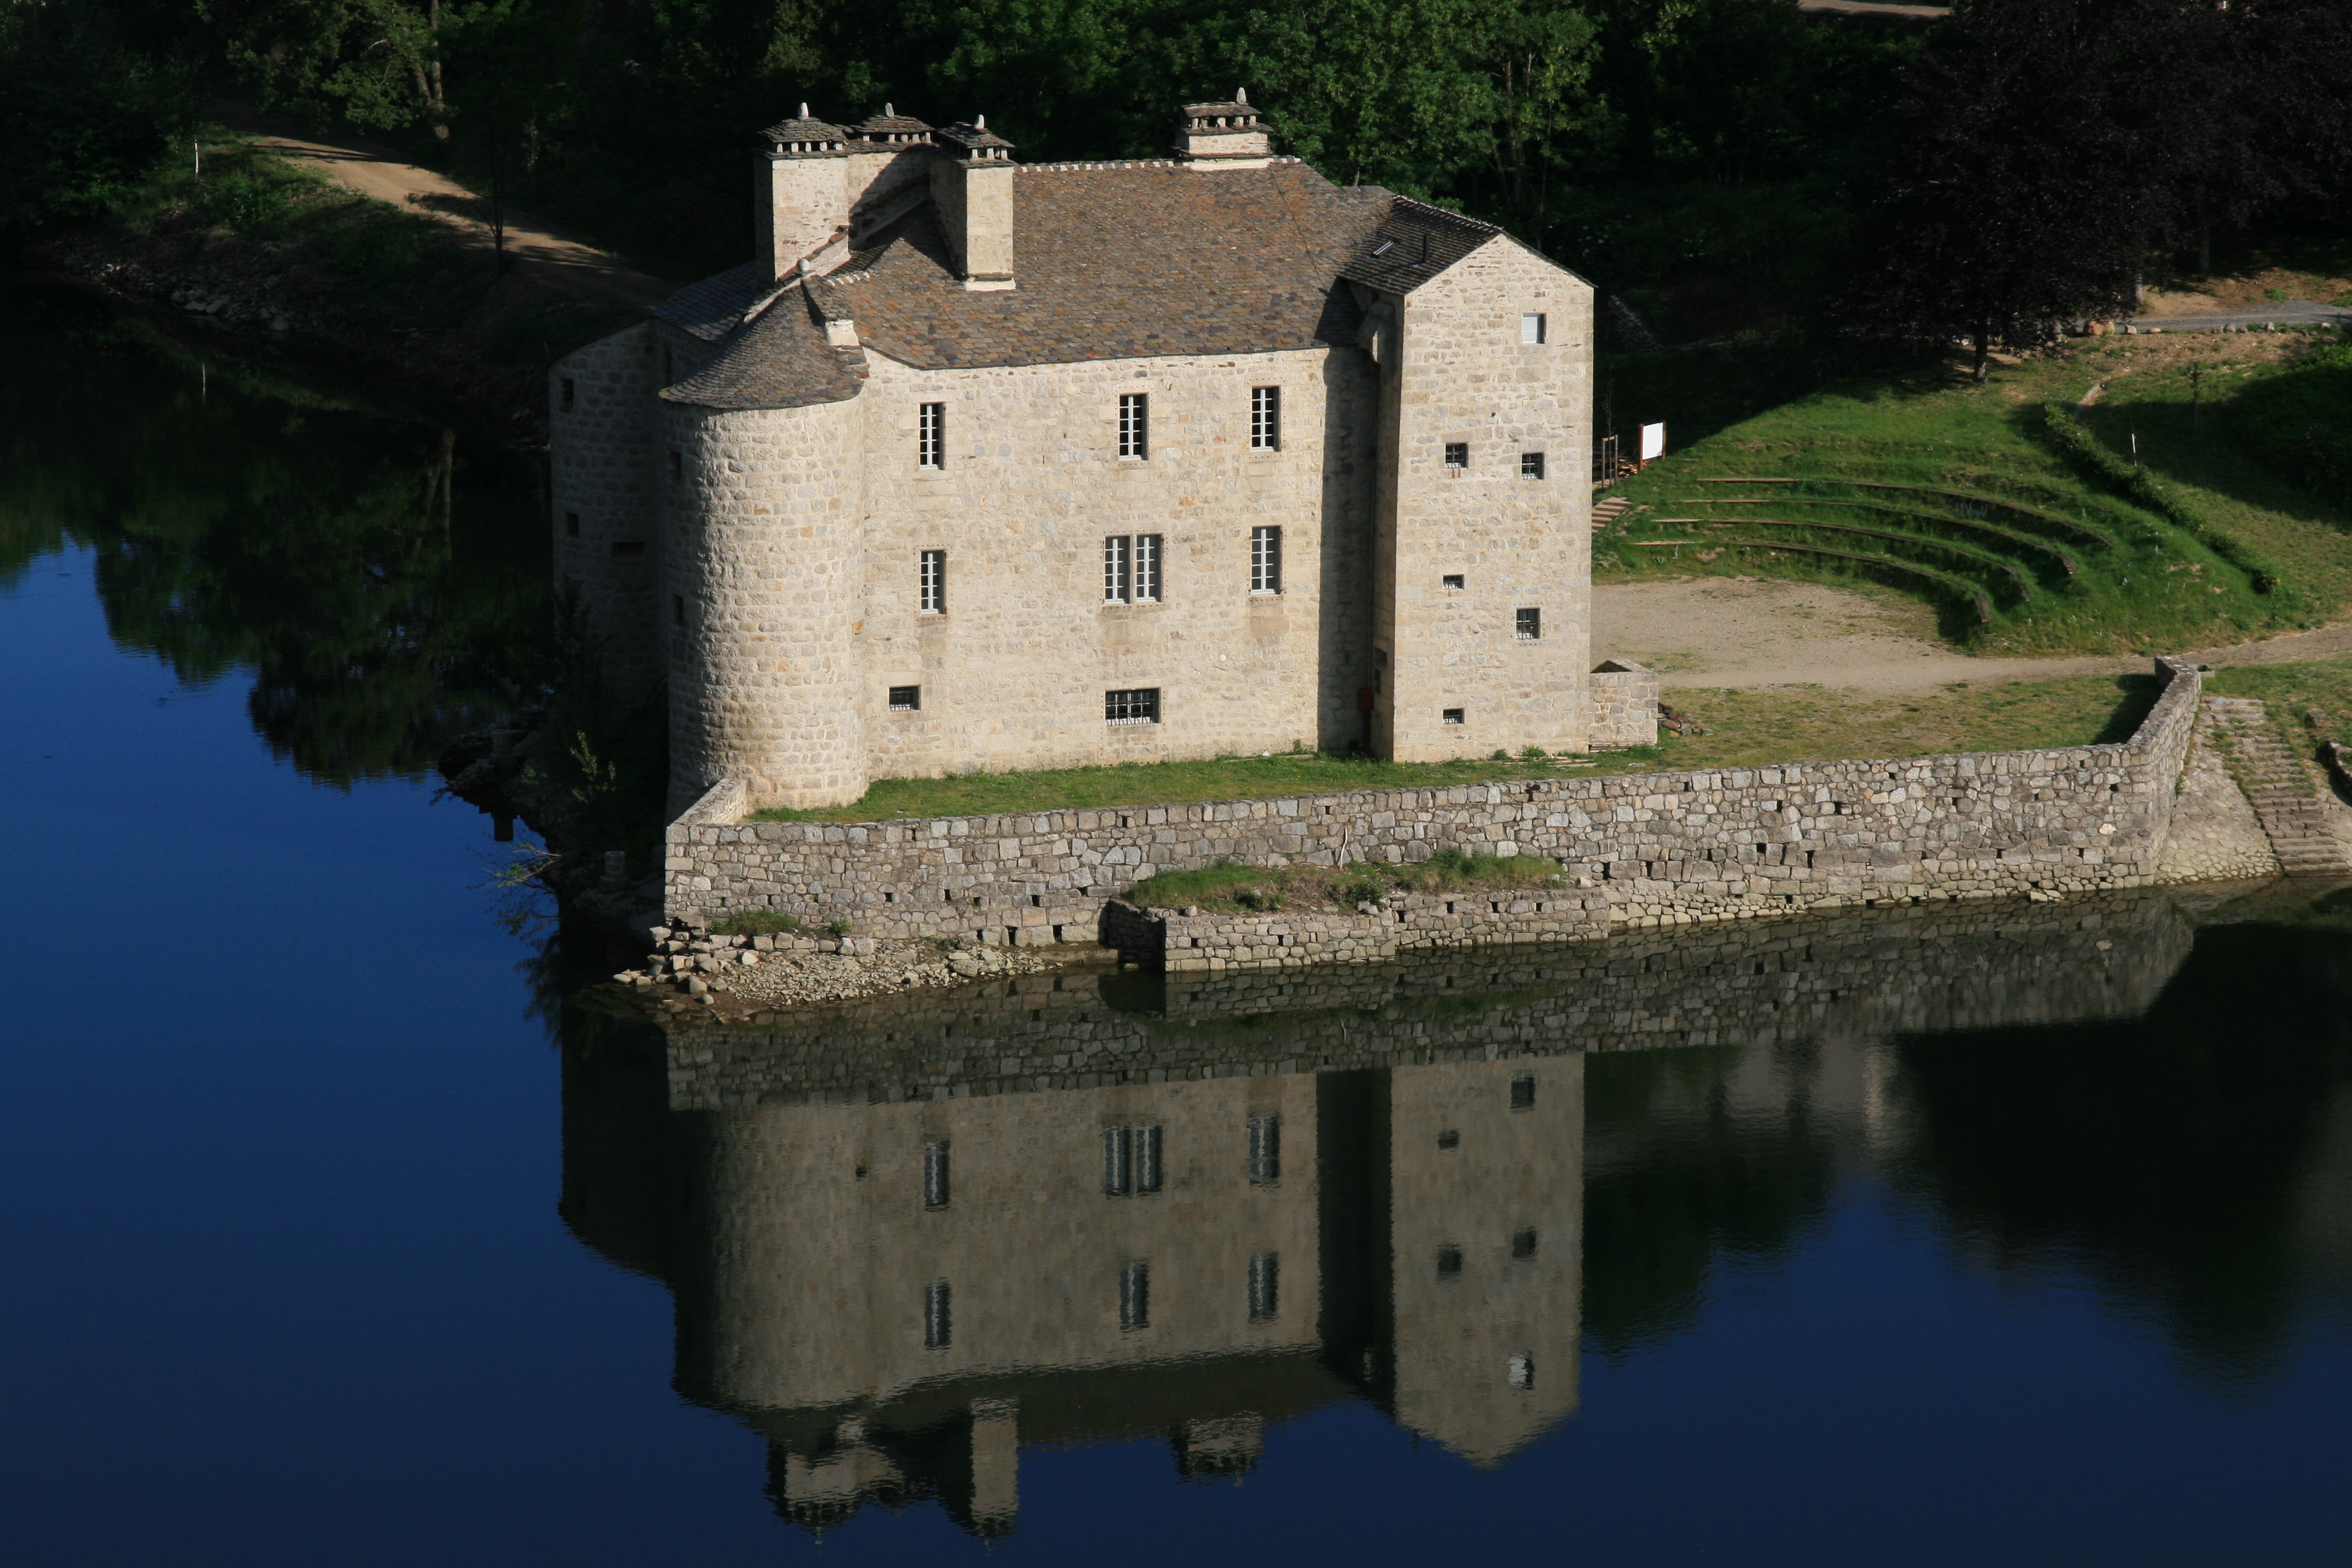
(710,309)
(1413,243)
(804,128)
(1123,262)
(780,360)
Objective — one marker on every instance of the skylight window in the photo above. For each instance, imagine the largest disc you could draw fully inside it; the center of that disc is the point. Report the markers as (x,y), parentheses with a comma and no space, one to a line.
(1384,248)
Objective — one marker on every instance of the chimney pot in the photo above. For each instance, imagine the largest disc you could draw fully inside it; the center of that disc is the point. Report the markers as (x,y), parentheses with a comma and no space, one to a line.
(980,122)
(804,111)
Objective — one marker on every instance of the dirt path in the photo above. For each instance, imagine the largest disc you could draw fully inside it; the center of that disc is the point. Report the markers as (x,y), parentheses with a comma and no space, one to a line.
(376,171)
(1741,631)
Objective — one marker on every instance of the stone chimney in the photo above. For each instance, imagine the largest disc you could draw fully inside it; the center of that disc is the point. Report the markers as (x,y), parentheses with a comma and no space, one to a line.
(971,186)
(799,192)
(1222,135)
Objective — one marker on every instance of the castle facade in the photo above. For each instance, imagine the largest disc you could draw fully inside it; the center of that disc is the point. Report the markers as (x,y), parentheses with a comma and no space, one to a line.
(986,465)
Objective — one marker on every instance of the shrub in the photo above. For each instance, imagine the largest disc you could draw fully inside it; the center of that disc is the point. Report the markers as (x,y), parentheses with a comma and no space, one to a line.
(756,922)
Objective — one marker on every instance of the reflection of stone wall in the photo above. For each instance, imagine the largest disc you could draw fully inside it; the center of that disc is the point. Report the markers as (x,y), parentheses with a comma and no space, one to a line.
(1665,849)
(1215,941)
(1965,965)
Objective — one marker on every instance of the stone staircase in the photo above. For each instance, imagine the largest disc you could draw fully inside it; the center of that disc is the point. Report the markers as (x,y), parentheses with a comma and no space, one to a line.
(2283,791)
(1608,509)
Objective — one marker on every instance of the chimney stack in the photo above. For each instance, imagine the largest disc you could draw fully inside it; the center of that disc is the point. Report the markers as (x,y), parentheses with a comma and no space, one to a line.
(799,192)
(1222,135)
(971,186)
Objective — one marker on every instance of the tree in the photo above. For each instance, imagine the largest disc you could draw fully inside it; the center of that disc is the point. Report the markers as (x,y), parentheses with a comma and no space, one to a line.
(2021,187)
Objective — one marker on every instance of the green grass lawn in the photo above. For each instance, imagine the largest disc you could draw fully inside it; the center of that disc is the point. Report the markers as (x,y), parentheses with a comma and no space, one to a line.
(2019,549)
(1748,728)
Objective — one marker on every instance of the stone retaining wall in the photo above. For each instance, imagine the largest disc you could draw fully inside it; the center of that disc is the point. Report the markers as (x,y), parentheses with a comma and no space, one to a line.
(1661,848)
(1187,941)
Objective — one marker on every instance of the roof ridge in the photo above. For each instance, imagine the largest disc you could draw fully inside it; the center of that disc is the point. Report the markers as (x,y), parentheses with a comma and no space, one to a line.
(1131,164)
(1477,226)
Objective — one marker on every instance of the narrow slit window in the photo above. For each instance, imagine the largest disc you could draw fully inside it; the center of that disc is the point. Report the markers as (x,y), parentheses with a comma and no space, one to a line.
(937,1324)
(676,465)
(571,525)
(1266,561)
(1523,1092)
(1141,706)
(1134,425)
(1265,1149)
(677,609)
(933,581)
(1532,327)
(1134,1296)
(1529,624)
(931,436)
(906,698)
(1147,568)
(1147,1158)
(1531,465)
(1266,419)
(1265,1287)
(571,394)
(1118,569)
(935,1173)
(1457,453)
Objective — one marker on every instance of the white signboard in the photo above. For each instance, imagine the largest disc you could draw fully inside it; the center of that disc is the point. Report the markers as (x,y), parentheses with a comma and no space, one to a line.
(1654,441)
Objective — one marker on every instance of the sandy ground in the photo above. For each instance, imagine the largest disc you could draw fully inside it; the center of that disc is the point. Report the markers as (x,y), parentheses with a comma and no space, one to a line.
(374,172)
(1741,631)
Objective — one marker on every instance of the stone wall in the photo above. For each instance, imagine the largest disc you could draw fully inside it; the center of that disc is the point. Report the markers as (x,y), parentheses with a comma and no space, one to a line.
(1832,977)
(1661,848)
(1624,704)
(1187,941)
(602,496)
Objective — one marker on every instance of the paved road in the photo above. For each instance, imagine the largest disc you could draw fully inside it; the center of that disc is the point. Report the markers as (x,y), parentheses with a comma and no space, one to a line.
(377,172)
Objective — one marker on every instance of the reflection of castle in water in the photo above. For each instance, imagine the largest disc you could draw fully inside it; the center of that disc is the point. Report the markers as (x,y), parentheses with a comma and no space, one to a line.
(909,1239)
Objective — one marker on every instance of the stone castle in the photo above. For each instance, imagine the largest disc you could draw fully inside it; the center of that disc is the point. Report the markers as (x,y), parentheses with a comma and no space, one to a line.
(986,465)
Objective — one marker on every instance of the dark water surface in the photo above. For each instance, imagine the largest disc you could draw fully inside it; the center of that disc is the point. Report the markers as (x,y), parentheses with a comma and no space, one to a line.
(340,1229)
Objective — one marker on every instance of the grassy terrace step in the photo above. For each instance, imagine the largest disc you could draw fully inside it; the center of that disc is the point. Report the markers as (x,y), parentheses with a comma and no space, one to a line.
(1969,555)
(1970,497)
(2067,562)
(1945,580)
(1750,729)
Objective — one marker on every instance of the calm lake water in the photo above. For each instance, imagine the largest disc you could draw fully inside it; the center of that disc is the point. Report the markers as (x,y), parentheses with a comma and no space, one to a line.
(343,1227)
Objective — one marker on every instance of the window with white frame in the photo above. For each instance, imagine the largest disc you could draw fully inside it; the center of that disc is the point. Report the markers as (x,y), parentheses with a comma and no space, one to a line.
(1531,465)
(1266,561)
(935,582)
(931,436)
(1147,568)
(1141,706)
(1532,327)
(1118,568)
(1457,453)
(1266,419)
(1134,425)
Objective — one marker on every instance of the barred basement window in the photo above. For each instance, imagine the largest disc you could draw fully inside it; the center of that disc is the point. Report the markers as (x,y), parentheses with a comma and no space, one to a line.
(1266,419)
(571,525)
(1137,707)
(570,394)
(931,436)
(1530,625)
(1118,582)
(906,698)
(1265,1287)
(1531,329)
(1531,465)
(1451,580)
(934,581)
(1457,453)
(1134,425)
(935,1175)
(1265,1149)
(936,1324)
(1456,716)
(1134,1296)
(1523,1092)
(1147,568)
(1266,561)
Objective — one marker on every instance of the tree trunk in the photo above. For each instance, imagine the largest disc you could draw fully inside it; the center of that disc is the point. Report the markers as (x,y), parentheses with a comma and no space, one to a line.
(1984,351)
(437,104)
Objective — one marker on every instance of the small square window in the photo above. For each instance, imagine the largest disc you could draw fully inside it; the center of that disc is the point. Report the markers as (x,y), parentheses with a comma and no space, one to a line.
(1454,716)
(1523,1245)
(1449,1262)
(628,550)
(571,525)
(1523,1092)
(1137,707)
(1457,453)
(906,698)
(1530,625)
(1532,327)
(571,394)
(1531,465)
(1451,580)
